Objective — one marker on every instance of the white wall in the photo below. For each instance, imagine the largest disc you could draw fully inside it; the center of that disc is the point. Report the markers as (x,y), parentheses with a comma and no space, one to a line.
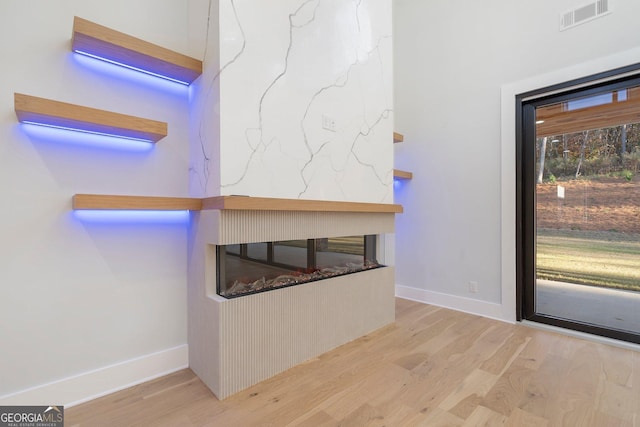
(452,60)
(78,296)
(284,65)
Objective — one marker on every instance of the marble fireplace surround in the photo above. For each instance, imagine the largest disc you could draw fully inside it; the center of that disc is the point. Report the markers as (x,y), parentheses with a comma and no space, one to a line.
(236,343)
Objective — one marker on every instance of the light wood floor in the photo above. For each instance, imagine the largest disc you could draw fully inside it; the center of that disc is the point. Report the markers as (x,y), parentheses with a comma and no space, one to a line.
(433,367)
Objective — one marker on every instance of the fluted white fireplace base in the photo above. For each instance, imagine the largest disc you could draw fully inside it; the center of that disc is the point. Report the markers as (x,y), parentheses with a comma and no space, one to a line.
(261,335)
(236,343)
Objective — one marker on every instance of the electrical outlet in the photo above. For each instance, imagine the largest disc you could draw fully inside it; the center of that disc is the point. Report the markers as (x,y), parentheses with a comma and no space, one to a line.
(473,287)
(328,123)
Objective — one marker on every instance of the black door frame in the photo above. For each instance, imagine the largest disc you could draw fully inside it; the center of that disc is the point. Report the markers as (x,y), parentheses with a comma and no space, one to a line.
(526,104)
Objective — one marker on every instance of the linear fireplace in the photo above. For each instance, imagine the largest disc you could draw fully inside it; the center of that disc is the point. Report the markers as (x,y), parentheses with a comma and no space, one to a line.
(233,343)
(250,268)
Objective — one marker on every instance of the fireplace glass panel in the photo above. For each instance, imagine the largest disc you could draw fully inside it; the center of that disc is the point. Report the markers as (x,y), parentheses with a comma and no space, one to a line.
(233,249)
(257,267)
(292,253)
(337,250)
(257,251)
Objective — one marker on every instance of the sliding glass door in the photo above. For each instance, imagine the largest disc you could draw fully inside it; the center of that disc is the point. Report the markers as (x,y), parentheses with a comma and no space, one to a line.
(579,195)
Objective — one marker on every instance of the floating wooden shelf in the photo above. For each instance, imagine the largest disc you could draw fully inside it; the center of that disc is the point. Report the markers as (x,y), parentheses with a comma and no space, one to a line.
(113,46)
(110,202)
(114,202)
(273,204)
(398,174)
(31,109)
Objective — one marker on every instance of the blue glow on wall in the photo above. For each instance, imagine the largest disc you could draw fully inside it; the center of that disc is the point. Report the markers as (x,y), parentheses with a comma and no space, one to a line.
(138,78)
(132,216)
(121,64)
(113,135)
(90,139)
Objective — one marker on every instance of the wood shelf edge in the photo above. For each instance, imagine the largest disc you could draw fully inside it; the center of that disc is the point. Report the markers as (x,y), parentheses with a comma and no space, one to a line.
(49,112)
(114,202)
(400,174)
(107,43)
(397,137)
(277,204)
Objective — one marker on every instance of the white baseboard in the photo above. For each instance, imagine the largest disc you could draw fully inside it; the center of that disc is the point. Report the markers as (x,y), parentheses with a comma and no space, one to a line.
(100,382)
(466,305)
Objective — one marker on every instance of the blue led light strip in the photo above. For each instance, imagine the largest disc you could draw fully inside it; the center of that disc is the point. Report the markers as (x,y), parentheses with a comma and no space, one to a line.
(122,216)
(115,135)
(81,52)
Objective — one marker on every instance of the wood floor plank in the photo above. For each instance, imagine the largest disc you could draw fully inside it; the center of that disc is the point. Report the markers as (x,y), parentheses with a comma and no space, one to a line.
(482,416)
(478,383)
(466,332)
(436,418)
(635,386)
(500,361)
(485,345)
(509,390)
(466,406)
(542,387)
(537,349)
(398,414)
(520,418)
(601,419)
(411,360)
(314,419)
(616,365)
(433,367)
(578,389)
(364,415)
(614,397)
(375,390)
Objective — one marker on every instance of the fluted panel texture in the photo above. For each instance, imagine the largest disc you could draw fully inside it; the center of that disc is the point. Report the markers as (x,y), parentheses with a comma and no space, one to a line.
(264,334)
(265,226)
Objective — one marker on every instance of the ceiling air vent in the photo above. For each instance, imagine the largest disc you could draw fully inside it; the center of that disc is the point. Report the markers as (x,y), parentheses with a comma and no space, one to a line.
(583,14)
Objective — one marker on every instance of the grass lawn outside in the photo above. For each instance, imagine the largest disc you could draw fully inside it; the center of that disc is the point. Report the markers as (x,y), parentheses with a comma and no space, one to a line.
(599,258)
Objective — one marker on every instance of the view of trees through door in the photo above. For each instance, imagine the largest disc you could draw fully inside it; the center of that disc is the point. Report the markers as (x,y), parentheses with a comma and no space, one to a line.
(584,154)
(588,207)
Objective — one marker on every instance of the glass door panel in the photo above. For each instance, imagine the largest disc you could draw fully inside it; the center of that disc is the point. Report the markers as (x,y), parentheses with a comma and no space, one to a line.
(586,254)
